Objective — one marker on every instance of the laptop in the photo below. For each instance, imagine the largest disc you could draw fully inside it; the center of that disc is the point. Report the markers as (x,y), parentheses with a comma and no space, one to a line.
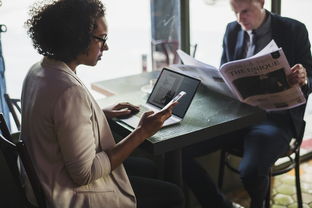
(168,85)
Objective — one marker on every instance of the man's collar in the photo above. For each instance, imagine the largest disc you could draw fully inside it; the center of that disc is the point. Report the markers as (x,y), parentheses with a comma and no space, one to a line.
(265,26)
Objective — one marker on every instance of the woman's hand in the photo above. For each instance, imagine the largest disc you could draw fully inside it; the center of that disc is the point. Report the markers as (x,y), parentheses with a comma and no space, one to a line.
(119,110)
(151,122)
(298,75)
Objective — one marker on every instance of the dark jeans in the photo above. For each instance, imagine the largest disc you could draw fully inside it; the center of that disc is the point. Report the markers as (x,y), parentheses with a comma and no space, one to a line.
(198,180)
(150,192)
(263,144)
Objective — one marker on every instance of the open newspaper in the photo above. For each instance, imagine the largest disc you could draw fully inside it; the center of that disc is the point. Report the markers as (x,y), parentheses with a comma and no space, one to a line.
(260,80)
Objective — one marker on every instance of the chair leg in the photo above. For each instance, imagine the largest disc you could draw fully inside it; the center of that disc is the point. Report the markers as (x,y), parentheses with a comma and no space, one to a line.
(297,175)
(268,196)
(221,169)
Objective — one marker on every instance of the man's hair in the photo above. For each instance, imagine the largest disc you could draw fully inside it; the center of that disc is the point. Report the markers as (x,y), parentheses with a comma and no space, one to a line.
(62,29)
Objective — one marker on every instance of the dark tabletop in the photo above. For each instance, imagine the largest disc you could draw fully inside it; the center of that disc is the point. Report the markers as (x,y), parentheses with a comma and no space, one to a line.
(209,115)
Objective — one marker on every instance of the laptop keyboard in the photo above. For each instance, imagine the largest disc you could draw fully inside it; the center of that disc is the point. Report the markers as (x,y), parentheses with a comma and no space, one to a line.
(143,109)
(134,120)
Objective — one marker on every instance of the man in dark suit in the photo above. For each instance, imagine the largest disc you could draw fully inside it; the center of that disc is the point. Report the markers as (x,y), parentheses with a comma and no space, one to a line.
(264,143)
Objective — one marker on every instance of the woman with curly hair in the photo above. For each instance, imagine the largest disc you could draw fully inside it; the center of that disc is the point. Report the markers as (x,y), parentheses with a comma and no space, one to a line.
(67,134)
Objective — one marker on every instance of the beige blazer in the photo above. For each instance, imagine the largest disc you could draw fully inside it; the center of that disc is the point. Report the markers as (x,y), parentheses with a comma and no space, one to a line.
(67,134)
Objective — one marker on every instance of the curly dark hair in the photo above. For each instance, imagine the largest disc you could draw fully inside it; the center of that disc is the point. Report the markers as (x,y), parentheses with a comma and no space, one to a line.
(62,29)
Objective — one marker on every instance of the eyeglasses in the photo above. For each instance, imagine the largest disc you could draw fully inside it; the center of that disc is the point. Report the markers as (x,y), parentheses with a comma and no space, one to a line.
(103,40)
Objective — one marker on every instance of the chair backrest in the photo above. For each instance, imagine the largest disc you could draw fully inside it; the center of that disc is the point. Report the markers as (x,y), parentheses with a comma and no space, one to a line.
(295,145)
(11,151)
(4,128)
(15,109)
(301,133)
(294,149)
(31,173)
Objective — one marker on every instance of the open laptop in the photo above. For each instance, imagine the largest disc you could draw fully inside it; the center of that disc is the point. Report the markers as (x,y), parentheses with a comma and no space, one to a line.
(169,84)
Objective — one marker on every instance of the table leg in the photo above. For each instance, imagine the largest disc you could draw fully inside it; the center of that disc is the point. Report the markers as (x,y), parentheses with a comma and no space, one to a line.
(173,167)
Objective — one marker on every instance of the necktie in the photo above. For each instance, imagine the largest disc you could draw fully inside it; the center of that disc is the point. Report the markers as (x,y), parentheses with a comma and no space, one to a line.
(250,47)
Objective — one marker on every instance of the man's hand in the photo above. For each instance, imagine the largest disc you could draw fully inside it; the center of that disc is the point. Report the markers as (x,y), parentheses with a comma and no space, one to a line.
(121,109)
(298,75)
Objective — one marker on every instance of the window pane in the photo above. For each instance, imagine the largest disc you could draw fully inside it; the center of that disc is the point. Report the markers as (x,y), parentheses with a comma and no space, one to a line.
(165,32)
(18,52)
(208,20)
(298,10)
(129,38)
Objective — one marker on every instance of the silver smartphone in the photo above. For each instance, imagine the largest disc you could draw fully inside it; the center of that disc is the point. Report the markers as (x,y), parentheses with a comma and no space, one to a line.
(175,99)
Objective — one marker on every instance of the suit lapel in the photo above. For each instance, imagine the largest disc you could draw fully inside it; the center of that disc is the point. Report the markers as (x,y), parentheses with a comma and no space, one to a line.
(274,28)
(239,49)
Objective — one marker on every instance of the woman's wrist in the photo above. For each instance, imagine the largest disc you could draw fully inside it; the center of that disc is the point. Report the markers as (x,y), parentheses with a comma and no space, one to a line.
(140,133)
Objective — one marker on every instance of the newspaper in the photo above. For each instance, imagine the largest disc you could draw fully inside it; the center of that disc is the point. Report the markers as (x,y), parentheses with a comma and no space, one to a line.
(260,80)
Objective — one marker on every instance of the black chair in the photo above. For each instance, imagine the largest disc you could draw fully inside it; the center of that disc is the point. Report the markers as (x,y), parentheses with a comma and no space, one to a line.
(14,107)
(13,149)
(293,162)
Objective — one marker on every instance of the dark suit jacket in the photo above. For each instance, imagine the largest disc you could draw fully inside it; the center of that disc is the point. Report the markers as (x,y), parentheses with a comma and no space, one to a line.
(289,34)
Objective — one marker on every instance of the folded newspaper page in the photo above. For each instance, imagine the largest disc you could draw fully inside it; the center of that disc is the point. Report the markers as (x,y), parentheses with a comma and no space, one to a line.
(260,80)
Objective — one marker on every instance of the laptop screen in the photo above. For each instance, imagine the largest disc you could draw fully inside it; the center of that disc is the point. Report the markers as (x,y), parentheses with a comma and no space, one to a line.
(168,85)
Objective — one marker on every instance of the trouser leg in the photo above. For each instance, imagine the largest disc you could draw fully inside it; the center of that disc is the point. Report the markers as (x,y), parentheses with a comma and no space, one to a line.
(263,145)
(150,192)
(199,181)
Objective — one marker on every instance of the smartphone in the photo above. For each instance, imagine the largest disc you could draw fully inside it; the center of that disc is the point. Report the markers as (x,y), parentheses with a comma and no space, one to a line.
(175,99)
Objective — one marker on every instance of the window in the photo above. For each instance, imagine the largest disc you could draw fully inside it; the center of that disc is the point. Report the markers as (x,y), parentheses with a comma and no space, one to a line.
(17,48)
(129,39)
(165,20)
(208,20)
(298,10)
